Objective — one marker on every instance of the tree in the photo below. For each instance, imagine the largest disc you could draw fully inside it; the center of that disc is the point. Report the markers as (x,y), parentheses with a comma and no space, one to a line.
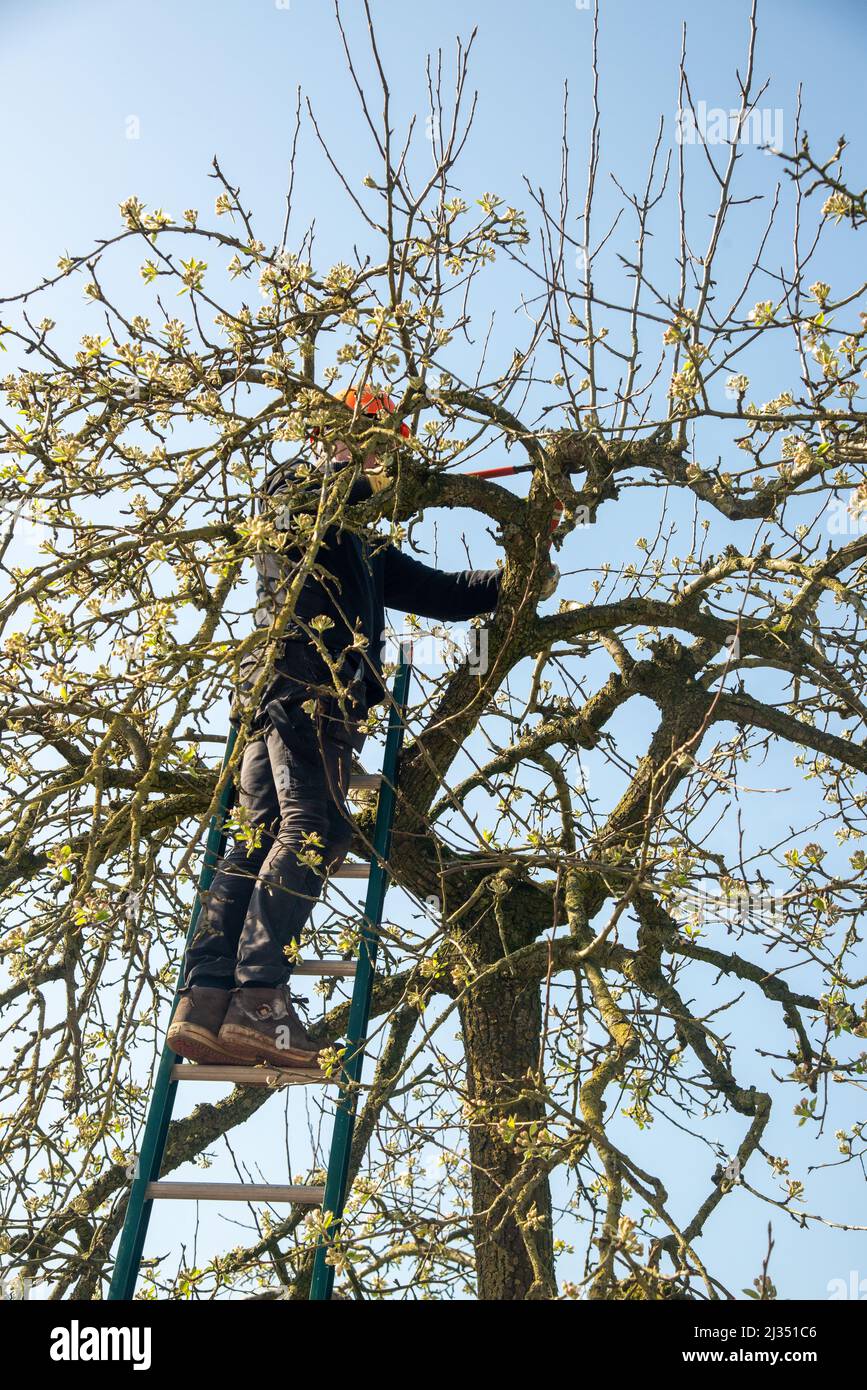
(600,935)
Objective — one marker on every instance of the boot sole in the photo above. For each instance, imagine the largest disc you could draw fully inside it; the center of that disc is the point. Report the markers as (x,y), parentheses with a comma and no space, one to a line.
(196,1044)
(248,1045)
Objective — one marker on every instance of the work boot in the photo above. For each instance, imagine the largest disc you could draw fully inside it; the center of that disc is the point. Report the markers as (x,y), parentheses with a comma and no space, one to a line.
(196,1023)
(262,1026)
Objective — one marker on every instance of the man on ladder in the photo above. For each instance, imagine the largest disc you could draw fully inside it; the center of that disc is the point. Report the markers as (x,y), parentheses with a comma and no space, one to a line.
(235,1005)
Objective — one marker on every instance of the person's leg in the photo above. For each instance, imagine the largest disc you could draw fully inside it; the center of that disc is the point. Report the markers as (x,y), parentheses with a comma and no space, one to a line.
(210,959)
(211,956)
(311,774)
(311,777)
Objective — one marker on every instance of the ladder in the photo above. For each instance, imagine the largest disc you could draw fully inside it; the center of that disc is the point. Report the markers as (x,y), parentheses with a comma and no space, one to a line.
(147,1186)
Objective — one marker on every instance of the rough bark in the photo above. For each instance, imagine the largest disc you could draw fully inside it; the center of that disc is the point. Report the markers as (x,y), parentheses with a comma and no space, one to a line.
(501,1019)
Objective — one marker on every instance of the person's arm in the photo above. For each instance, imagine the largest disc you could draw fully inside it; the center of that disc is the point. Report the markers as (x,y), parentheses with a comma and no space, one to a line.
(414,587)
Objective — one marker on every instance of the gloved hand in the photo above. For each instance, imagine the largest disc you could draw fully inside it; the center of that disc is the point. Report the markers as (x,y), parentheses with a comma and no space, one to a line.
(376,472)
(550,581)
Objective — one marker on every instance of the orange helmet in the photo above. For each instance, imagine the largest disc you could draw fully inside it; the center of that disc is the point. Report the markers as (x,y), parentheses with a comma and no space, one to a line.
(373,404)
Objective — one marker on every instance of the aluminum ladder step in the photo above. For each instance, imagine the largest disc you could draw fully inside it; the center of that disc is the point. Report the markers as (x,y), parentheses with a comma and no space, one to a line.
(238,1075)
(331,969)
(234,1192)
(361,782)
(352,870)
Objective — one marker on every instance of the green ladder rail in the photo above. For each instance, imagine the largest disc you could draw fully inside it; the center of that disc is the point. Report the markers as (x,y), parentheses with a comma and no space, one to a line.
(334,1199)
(147,1186)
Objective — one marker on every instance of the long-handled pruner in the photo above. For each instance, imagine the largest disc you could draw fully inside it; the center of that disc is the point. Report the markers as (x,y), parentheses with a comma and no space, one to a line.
(504,471)
(508,470)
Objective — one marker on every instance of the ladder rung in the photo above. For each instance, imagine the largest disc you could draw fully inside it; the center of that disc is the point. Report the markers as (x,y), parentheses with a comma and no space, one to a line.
(365,782)
(352,871)
(234,1192)
(251,1076)
(334,969)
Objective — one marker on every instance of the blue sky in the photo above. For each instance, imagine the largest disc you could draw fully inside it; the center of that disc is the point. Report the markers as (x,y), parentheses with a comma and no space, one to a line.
(219,76)
(193,80)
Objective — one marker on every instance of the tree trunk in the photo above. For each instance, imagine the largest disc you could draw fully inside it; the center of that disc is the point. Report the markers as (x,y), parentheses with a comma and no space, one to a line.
(501,1019)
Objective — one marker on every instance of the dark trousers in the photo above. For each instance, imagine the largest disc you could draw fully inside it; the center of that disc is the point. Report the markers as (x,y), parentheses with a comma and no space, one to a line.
(295,827)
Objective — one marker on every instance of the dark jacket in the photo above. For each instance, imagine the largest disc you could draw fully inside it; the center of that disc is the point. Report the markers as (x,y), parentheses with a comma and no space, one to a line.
(357,580)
